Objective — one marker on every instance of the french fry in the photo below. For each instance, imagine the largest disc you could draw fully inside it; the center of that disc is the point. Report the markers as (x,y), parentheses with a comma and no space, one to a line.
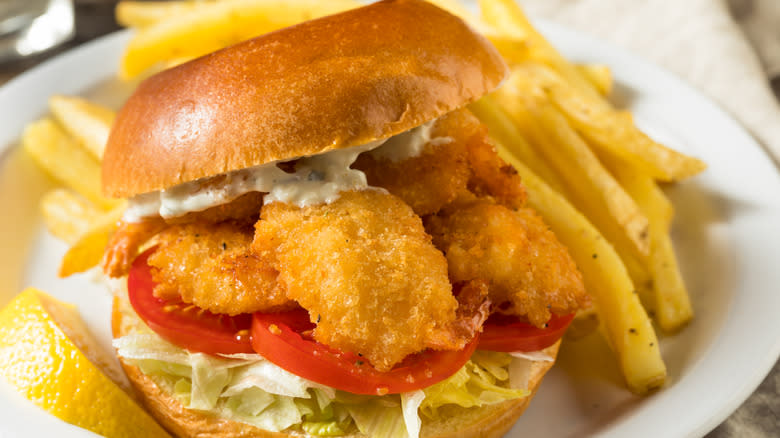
(212,26)
(599,75)
(147,13)
(67,215)
(503,24)
(598,194)
(513,51)
(612,132)
(671,303)
(628,329)
(508,134)
(88,250)
(640,276)
(65,159)
(590,113)
(85,121)
(455,7)
(507,17)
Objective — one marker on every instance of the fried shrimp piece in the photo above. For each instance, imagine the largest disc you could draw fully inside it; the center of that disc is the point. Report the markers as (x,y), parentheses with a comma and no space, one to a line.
(430,180)
(368,274)
(130,236)
(125,243)
(491,175)
(473,310)
(459,159)
(213,267)
(528,271)
(244,208)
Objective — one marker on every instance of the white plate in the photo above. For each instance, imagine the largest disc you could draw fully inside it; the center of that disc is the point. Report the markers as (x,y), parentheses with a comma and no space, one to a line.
(725,233)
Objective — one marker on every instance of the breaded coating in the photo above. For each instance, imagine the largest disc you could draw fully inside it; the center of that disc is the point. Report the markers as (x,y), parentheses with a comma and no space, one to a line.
(123,246)
(244,208)
(213,267)
(473,310)
(528,271)
(432,179)
(444,172)
(368,274)
(492,176)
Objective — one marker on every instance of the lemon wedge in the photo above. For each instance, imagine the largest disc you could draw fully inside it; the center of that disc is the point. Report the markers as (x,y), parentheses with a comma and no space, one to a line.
(48,355)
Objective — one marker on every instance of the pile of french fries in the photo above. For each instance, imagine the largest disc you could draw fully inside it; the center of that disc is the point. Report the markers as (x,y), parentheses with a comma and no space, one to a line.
(588,170)
(69,146)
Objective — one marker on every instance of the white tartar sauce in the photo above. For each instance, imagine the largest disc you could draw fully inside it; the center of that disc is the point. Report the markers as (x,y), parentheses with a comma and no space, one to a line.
(410,143)
(317,179)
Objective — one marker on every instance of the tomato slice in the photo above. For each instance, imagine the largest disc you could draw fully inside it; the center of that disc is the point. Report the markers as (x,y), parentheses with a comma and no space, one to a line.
(508,334)
(183,324)
(284,339)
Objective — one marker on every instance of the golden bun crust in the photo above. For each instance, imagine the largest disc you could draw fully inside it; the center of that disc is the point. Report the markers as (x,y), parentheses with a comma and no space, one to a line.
(486,422)
(339,81)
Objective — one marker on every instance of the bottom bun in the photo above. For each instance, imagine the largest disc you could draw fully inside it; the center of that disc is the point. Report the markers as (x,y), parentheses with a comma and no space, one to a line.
(455,421)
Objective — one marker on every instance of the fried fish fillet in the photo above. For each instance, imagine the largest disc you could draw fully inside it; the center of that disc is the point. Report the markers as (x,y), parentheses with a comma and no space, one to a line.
(529,272)
(213,267)
(369,276)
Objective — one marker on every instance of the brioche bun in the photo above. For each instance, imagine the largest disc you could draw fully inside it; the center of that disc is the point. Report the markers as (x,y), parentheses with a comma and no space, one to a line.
(335,82)
(485,422)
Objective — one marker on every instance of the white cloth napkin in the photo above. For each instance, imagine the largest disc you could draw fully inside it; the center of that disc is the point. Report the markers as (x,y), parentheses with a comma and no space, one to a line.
(699,40)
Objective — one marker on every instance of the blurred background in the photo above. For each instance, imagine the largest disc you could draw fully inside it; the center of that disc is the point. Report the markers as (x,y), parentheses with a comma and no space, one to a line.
(728,49)
(49,27)
(759,21)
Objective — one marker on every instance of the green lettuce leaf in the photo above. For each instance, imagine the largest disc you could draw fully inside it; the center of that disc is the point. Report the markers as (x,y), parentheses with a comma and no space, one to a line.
(376,419)
(482,381)
(252,390)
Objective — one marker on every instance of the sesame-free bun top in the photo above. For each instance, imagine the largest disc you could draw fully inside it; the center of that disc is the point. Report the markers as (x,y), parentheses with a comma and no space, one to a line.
(335,82)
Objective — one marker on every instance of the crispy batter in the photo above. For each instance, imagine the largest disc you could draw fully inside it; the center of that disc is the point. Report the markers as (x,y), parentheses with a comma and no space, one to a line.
(473,310)
(491,175)
(529,272)
(432,179)
(368,274)
(245,208)
(125,243)
(213,267)
(131,236)
(445,172)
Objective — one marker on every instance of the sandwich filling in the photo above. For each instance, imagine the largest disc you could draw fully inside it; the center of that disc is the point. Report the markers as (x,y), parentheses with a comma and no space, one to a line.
(305,181)
(381,263)
(249,388)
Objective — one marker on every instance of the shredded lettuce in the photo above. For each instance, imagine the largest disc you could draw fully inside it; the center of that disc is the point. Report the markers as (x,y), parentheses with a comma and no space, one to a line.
(537,356)
(376,419)
(209,377)
(519,373)
(410,405)
(251,401)
(482,381)
(252,390)
(270,378)
(323,428)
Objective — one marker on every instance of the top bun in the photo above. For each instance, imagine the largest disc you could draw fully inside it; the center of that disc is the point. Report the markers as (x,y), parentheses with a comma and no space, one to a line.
(335,82)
